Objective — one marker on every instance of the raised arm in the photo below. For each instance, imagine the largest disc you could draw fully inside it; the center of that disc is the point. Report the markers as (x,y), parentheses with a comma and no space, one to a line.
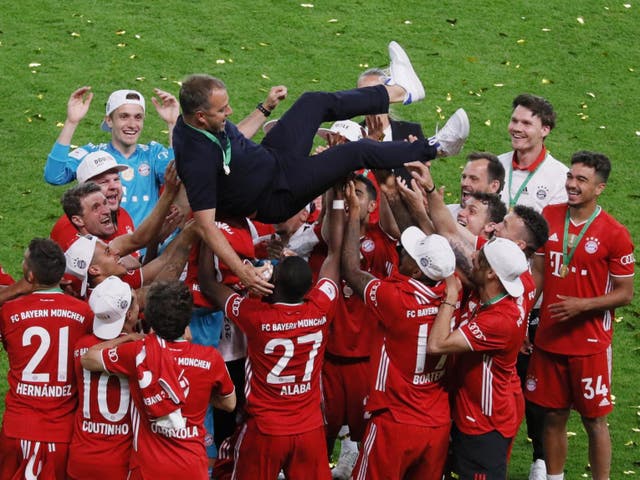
(216,292)
(441,339)
(333,232)
(149,228)
(250,125)
(168,109)
(357,278)
(55,169)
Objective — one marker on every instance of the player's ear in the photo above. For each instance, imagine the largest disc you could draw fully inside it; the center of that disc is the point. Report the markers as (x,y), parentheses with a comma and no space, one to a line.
(77,221)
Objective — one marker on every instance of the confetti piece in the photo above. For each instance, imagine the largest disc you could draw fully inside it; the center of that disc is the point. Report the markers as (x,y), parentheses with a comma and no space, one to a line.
(137,36)
(546,29)
(333,20)
(363,65)
(315,80)
(615,319)
(59,124)
(580,20)
(448,97)
(140,79)
(407,22)
(121,45)
(40,96)
(638,133)
(438,109)
(488,122)
(591,94)
(220,61)
(74,34)
(603,127)
(631,69)
(263,44)
(498,84)
(571,434)
(545,81)
(626,5)
(634,429)
(265,76)
(34,65)
(306,5)
(521,41)
(629,472)
(121,32)
(629,443)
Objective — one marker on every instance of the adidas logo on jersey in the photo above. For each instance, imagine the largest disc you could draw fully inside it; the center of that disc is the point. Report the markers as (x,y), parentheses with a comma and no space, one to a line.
(604,402)
(553,238)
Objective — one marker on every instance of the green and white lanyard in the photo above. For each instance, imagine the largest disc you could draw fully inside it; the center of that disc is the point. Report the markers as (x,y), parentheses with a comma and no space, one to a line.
(226,151)
(493,300)
(514,200)
(566,256)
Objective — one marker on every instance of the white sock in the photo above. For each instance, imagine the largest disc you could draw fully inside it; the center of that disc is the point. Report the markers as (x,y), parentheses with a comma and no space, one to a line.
(559,476)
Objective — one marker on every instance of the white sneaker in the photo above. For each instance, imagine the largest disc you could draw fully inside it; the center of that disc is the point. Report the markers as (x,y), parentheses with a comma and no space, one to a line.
(538,470)
(346,462)
(403,74)
(450,138)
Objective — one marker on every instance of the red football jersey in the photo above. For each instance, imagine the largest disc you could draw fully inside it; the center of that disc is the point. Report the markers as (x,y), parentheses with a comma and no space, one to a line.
(605,250)
(39,331)
(102,431)
(286,345)
(405,379)
(484,399)
(239,237)
(173,453)
(352,331)
(5,278)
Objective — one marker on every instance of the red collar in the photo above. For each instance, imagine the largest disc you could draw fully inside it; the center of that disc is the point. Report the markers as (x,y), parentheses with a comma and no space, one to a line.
(534,165)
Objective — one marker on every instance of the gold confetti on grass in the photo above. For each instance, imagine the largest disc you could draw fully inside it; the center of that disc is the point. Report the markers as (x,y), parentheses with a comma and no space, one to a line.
(140,79)
(630,443)
(363,65)
(306,5)
(591,94)
(265,76)
(121,45)
(615,319)
(545,81)
(571,434)
(546,29)
(332,20)
(74,34)
(407,22)
(498,85)
(448,97)
(626,5)
(488,122)
(580,20)
(220,61)
(137,36)
(629,472)
(121,32)
(264,44)
(635,429)
(59,124)
(132,57)
(520,41)
(34,65)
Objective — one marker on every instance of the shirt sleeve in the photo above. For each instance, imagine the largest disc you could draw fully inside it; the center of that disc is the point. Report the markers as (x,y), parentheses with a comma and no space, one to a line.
(121,359)
(488,331)
(622,260)
(62,164)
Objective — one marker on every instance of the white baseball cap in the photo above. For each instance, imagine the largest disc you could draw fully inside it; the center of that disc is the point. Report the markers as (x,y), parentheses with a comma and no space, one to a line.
(119,98)
(79,256)
(110,302)
(349,129)
(508,261)
(432,253)
(96,163)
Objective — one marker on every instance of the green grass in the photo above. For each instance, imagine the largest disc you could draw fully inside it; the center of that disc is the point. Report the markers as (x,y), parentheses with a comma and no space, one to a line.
(472,54)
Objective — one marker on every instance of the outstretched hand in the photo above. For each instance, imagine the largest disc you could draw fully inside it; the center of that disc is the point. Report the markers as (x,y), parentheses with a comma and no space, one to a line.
(78,104)
(254,280)
(166,105)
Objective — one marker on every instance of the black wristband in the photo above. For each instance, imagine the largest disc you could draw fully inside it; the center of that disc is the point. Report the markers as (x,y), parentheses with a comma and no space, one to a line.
(263,110)
(431,189)
(448,303)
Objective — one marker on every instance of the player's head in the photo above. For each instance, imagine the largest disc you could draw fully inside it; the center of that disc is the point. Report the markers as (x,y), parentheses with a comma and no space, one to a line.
(44,262)
(102,169)
(168,308)
(531,121)
(124,117)
(524,226)
(372,77)
(587,177)
(425,256)
(204,102)
(367,196)
(87,209)
(483,172)
(480,212)
(292,279)
(501,262)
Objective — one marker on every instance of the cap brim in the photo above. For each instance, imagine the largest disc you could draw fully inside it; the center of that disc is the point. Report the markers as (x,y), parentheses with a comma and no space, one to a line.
(324,133)
(515,288)
(107,331)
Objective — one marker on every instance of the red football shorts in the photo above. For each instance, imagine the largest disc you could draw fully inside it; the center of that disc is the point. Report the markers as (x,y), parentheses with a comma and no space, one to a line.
(563,381)
(21,458)
(397,450)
